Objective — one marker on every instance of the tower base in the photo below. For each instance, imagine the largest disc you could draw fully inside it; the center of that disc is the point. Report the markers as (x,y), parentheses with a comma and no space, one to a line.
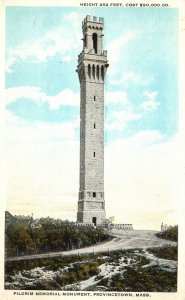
(95,217)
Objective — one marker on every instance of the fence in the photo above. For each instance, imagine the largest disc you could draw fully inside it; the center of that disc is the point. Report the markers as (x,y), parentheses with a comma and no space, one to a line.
(121,226)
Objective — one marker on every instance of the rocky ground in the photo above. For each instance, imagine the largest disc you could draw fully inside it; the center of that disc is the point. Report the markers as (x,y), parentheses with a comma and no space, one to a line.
(123,264)
(111,269)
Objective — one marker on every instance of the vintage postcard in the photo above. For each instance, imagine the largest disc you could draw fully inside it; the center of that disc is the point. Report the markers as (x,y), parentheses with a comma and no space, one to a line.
(92,149)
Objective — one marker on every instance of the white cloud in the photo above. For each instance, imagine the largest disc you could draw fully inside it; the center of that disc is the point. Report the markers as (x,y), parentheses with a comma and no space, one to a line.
(26,92)
(145,138)
(57,41)
(65,97)
(141,175)
(118,120)
(66,58)
(115,49)
(116,97)
(40,157)
(73,18)
(24,132)
(151,95)
(43,179)
(133,78)
(151,104)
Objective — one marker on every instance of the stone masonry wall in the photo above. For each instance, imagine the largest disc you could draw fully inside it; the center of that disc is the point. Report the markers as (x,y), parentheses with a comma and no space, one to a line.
(92,64)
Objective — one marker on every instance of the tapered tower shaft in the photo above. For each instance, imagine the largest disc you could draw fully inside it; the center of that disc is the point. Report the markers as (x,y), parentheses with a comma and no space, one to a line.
(92,66)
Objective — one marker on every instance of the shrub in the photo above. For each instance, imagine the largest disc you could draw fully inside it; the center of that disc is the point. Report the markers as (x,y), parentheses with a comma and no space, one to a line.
(166,252)
(169,234)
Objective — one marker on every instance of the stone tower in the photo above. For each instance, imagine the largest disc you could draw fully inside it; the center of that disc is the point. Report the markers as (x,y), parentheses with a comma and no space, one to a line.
(92,65)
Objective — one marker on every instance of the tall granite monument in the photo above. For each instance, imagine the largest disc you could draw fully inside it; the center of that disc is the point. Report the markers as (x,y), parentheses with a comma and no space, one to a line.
(91,69)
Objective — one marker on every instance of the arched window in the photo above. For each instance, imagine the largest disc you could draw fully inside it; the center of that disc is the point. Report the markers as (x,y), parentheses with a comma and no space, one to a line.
(97,72)
(93,71)
(94,38)
(89,71)
(102,72)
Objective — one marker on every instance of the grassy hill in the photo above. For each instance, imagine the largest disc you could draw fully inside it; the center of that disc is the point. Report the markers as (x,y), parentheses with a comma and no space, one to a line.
(170,233)
(50,236)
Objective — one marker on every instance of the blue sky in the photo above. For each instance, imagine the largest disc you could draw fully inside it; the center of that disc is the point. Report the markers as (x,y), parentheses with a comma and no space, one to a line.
(42,88)
(145,67)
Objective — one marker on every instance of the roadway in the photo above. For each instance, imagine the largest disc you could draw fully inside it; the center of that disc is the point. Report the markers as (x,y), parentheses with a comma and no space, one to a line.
(122,240)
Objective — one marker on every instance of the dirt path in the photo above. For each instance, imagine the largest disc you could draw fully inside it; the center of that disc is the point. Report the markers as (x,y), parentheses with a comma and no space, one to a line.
(122,240)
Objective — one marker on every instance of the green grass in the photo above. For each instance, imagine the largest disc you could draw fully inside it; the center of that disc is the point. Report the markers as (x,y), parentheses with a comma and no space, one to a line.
(78,273)
(166,252)
(11,267)
(82,268)
(150,279)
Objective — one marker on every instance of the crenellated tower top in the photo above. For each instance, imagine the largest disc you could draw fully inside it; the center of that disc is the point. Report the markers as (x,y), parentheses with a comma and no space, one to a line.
(92,31)
(92,61)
